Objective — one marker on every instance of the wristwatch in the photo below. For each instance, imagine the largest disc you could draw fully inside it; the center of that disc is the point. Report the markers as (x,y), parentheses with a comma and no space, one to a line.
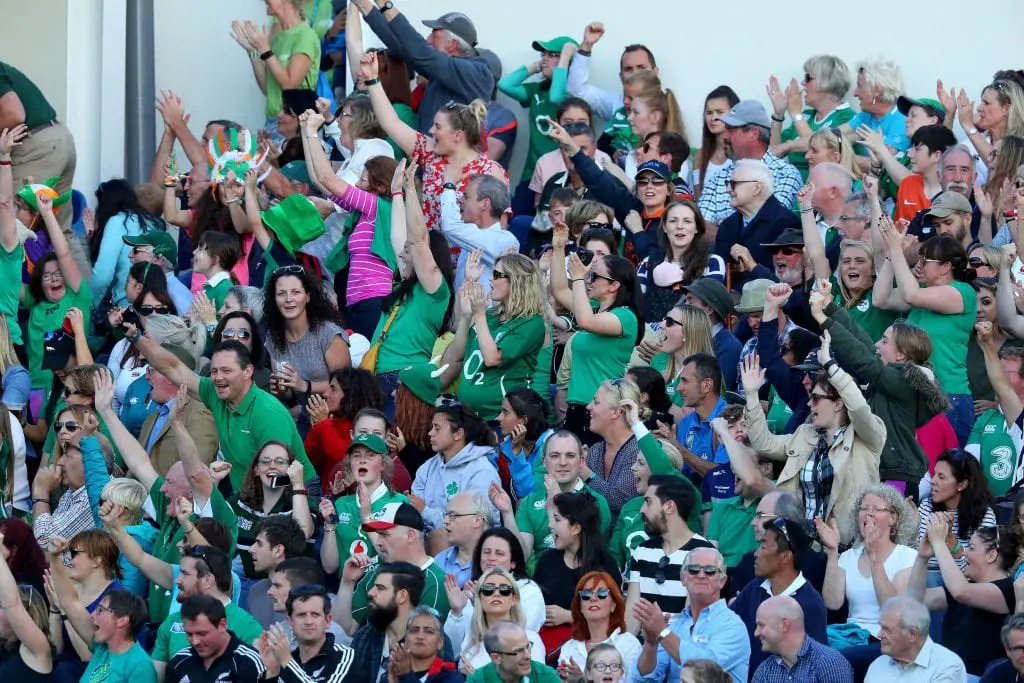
(449,186)
(799,117)
(387,7)
(973,131)
(664,633)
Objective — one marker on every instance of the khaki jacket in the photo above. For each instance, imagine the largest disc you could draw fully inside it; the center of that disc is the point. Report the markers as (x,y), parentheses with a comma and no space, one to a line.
(165,449)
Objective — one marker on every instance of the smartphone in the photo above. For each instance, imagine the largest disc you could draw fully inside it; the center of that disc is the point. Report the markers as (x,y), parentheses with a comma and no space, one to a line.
(544,124)
(332,518)
(586,256)
(278,481)
(131,317)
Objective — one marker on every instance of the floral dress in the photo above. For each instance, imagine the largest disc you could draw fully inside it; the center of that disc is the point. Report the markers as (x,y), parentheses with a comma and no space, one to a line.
(433,167)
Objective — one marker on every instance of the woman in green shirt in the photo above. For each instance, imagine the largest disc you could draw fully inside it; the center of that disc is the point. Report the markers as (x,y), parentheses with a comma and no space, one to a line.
(938,295)
(606,337)
(495,349)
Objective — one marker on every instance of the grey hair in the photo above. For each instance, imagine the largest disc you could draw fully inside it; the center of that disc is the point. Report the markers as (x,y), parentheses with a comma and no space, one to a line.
(759,171)
(861,207)
(463,47)
(491,188)
(719,558)
(764,135)
(1015,622)
(913,614)
(831,74)
(492,639)
(480,506)
(250,298)
(884,75)
(788,506)
(836,174)
(956,149)
(905,531)
(426,611)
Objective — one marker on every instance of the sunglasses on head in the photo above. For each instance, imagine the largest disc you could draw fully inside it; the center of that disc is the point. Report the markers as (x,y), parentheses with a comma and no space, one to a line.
(236,333)
(489,589)
(447,401)
(600,594)
(595,228)
(148,309)
(69,425)
(779,524)
(293,269)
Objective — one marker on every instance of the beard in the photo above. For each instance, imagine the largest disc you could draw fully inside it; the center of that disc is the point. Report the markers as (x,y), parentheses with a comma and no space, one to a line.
(655,527)
(381,617)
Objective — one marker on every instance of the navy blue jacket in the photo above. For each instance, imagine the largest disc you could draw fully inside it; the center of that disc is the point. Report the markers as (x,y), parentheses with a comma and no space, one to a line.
(727,350)
(766,225)
(788,383)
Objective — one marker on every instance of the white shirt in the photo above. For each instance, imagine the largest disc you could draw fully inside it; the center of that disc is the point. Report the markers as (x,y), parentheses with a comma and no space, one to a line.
(626,643)
(493,240)
(934,664)
(21,494)
(531,602)
(124,374)
(860,590)
(355,161)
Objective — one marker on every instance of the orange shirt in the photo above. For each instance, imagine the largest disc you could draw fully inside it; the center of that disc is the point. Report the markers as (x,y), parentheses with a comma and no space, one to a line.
(911,198)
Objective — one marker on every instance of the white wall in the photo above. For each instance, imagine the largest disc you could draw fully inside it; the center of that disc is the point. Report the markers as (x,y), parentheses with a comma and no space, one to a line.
(33,39)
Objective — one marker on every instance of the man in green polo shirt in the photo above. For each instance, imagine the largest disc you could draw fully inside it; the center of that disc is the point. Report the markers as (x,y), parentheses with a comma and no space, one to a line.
(563,458)
(246,416)
(398,532)
(204,571)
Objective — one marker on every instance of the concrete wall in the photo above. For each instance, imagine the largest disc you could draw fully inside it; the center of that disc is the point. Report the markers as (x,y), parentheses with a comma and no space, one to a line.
(33,38)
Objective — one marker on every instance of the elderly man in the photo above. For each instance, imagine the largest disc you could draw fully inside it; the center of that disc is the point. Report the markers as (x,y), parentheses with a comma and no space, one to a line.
(1012,669)
(797,656)
(706,629)
(477,224)
(956,174)
(759,217)
(746,136)
(832,186)
(448,58)
(467,518)
(908,654)
(509,648)
(856,217)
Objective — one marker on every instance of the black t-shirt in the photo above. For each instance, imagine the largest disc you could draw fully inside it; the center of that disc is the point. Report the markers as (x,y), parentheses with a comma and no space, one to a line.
(558,583)
(973,633)
(239,664)
(13,668)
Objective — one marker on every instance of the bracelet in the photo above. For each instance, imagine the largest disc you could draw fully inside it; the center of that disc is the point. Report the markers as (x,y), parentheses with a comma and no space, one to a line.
(300,492)
(398,194)
(585,53)
(577,279)
(330,528)
(44,501)
(778,119)
(372,81)
(808,210)
(52,611)
(188,531)
(266,55)
(6,163)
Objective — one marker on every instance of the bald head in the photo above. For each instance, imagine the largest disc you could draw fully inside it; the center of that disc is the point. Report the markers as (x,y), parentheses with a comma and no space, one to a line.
(780,625)
(783,607)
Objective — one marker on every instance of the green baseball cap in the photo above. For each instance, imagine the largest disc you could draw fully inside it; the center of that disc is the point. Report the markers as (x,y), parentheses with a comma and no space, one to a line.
(933,107)
(161,241)
(553,45)
(423,380)
(371,441)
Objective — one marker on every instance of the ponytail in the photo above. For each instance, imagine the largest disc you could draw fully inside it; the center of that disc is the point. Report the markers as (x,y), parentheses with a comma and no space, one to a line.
(469,119)
(674,115)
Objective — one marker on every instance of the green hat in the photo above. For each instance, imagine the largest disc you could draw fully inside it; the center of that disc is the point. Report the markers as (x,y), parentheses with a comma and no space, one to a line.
(295,221)
(371,441)
(181,354)
(753,296)
(423,380)
(29,193)
(904,103)
(161,241)
(553,45)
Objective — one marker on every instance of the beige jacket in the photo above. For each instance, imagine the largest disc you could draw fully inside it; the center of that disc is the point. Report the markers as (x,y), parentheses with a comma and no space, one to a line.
(854,457)
(165,449)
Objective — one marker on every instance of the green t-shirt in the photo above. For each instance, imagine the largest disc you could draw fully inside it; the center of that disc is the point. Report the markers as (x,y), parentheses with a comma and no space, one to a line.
(598,357)
(835,118)
(539,103)
(990,442)
(778,413)
(949,335)
(874,320)
(621,132)
(37,109)
(106,667)
(417,325)
(244,430)
(171,638)
(10,294)
(729,524)
(298,40)
(48,316)
(532,518)
(434,593)
(519,340)
(165,545)
(888,187)
(352,540)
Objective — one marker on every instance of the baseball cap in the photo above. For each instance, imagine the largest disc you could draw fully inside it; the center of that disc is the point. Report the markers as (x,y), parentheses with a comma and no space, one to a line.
(371,441)
(163,244)
(395,514)
(747,113)
(58,347)
(493,63)
(753,296)
(714,294)
(933,107)
(947,203)
(790,237)
(658,168)
(456,22)
(553,45)
(810,363)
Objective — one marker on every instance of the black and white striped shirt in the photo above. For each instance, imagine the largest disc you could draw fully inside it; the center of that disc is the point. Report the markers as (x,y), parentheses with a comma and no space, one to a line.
(660,575)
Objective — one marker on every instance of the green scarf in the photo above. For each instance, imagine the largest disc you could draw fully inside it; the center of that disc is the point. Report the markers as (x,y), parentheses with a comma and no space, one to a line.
(339,257)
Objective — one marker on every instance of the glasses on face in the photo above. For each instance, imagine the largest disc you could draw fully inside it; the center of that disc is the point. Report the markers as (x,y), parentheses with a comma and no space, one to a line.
(499,275)
(591,275)
(820,397)
(103,609)
(600,594)
(595,228)
(275,462)
(141,250)
(449,516)
(236,333)
(489,589)
(808,78)
(788,251)
(148,310)
(696,569)
(67,425)
(74,552)
(850,219)
(52,276)
(651,180)
(659,574)
(875,509)
(293,269)
(602,667)
(672,322)
(731,183)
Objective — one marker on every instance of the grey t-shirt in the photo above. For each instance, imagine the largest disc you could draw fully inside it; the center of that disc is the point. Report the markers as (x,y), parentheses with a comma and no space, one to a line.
(309,355)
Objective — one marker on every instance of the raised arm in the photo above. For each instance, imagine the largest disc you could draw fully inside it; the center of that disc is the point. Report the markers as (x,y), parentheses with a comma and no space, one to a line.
(814,246)
(1008,399)
(173,111)
(604,323)
(560,285)
(134,455)
(982,595)
(427,272)
(23,625)
(742,459)
(833,590)
(604,102)
(9,139)
(159,572)
(320,171)
(288,77)
(404,135)
(75,613)
(165,362)
(353,39)
(66,262)
(196,471)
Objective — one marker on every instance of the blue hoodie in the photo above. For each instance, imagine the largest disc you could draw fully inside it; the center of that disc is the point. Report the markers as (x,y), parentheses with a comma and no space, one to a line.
(438,481)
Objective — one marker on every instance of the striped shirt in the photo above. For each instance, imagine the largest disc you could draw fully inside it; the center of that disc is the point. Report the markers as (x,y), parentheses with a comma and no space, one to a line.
(714,200)
(368,275)
(72,515)
(660,575)
(954,528)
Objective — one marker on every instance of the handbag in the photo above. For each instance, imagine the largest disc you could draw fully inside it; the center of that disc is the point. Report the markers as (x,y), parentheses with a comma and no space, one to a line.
(369,361)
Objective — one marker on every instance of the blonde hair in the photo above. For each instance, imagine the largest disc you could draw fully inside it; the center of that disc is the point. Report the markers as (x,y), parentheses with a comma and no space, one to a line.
(478,626)
(38,612)
(623,389)
(884,75)
(672,452)
(468,119)
(662,101)
(697,337)
(151,198)
(129,494)
(904,532)
(525,295)
(1010,95)
(848,299)
(838,142)
(8,357)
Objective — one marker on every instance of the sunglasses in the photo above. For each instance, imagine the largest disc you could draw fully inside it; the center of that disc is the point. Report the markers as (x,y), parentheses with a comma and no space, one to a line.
(236,333)
(74,552)
(672,322)
(147,309)
(600,594)
(595,228)
(489,589)
(788,251)
(696,569)
(976,262)
(808,78)
(577,128)
(819,397)
(648,180)
(592,275)
(659,574)
(141,250)
(730,183)
(779,524)
(69,425)
(498,275)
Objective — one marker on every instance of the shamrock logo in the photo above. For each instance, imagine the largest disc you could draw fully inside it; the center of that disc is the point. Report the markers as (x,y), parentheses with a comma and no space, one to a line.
(452,488)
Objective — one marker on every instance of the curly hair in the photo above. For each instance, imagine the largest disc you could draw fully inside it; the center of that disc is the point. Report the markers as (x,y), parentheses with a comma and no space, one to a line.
(319,309)
(1006,541)
(525,297)
(251,492)
(359,390)
(617,620)
(904,532)
(413,417)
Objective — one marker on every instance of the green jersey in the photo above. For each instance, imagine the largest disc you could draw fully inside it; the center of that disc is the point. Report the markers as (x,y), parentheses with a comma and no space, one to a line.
(949,334)
(48,316)
(417,325)
(596,357)
(482,388)
(532,518)
(833,119)
(171,638)
(874,320)
(991,443)
(434,593)
(133,665)
(301,39)
(10,295)
(352,540)
(730,526)
(621,132)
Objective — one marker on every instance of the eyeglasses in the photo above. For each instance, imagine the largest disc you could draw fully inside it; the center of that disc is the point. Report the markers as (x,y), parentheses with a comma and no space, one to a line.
(74,552)
(141,250)
(293,269)
(489,589)
(876,509)
(52,275)
(672,322)
(600,594)
(602,667)
(499,275)
(236,333)
(447,401)
(449,516)
(649,180)
(148,310)
(730,183)
(849,219)
(788,251)
(69,425)
(515,653)
(659,574)
(696,569)
(276,462)
(591,275)
(103,609)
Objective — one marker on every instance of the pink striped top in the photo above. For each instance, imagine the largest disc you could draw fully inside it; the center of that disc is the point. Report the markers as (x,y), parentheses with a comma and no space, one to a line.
(368,274)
